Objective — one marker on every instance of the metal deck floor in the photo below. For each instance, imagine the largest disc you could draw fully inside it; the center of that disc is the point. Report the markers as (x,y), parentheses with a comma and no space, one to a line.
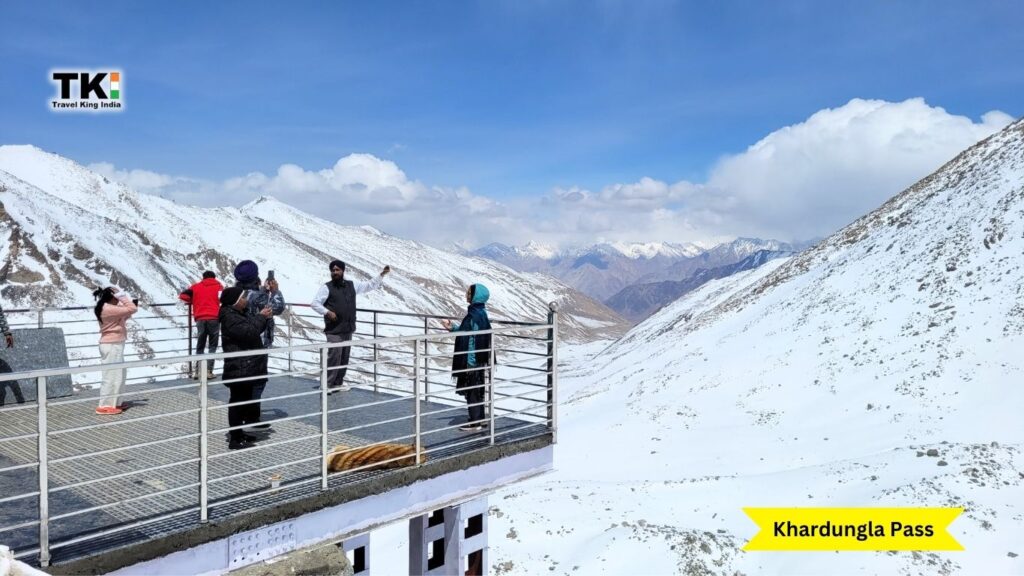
(173,465)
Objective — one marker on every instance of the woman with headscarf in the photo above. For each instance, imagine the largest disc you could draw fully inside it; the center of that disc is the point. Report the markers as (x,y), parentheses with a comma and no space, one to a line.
(472,356)
(113,309)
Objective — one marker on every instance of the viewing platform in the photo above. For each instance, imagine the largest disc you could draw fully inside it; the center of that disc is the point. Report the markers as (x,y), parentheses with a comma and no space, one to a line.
(155,490)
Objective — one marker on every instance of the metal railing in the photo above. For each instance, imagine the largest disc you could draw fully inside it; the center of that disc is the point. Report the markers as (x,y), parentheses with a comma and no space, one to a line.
(400,357)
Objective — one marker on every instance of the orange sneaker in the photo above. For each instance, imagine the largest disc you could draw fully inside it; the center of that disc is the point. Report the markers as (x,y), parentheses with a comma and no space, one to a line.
(108,410)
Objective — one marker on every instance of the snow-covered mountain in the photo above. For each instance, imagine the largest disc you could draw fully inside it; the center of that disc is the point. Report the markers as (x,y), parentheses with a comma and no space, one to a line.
(880,368)
(638,301)
(66,230)
(602,270)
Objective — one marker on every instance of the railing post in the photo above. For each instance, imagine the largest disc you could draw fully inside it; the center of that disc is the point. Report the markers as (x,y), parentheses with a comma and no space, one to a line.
(323,419)
(553,371)
(426,360)
(490,391)
(416,400)
(204,441)
(288,326)
(44,482)
(375,352)
(190,339)
(39,316)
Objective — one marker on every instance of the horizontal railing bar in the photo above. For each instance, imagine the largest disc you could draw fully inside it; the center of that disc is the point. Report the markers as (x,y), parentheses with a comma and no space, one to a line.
(19,497)
(514,381)
(262,445)
(122,475)
(450,445)
(123,448)
(521,367)
(120,502)
(372,424)
(520,337)
(22,437)
(7,409)
(526,411)
(263,399)
(125,421)
(522,396)
(18,526)
(222,355)
(123,527)
(275,420)
(332,452)
(527,352)
(249,495)
(20,467)
(369,404)
(135,393)
(268,376)
(264,469)
(373,464)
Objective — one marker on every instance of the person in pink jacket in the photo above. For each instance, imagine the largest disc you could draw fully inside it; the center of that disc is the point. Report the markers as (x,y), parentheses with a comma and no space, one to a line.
(113,309)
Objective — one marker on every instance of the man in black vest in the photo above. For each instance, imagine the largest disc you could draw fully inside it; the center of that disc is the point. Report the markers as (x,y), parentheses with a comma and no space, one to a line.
(336,302)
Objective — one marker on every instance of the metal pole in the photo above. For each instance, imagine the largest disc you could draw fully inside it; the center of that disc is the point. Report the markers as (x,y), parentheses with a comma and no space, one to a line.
(288,326)
(490,391)
(416,399)
(375,352)
(190,339)
(204,443)
(39,317)
(44,482)
(426,361)
(553,371)
(323,419)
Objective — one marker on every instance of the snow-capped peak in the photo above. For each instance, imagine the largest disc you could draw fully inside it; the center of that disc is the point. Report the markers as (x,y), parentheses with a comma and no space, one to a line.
(538,250)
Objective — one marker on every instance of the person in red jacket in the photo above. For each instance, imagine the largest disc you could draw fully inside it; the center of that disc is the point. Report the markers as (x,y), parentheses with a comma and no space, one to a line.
(204,296)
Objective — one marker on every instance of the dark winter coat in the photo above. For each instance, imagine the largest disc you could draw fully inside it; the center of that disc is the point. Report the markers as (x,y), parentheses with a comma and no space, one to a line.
(242,332)
(472,351)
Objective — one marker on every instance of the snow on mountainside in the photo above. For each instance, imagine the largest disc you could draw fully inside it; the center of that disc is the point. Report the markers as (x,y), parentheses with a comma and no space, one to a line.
(67,230)
(821,380)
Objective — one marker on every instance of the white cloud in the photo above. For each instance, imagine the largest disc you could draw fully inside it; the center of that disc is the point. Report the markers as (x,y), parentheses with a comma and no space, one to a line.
(800,181)
(814,177)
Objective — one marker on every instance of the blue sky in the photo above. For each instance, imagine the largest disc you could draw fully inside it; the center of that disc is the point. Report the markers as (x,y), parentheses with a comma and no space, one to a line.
(507,99)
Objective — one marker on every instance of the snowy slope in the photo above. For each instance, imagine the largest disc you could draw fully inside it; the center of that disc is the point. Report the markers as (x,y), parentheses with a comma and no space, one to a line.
(66,230)
(818,381)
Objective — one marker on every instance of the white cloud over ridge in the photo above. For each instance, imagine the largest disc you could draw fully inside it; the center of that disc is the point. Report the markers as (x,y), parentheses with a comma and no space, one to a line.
(801,181)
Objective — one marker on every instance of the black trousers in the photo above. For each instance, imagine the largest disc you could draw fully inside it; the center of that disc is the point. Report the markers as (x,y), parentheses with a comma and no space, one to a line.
(241,415)
(475,393)
(338,357)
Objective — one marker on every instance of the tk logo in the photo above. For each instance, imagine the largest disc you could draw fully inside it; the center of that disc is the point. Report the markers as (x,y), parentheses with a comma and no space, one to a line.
(87,90)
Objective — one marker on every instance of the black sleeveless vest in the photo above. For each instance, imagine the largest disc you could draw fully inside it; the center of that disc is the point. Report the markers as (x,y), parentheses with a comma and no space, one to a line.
(343,302)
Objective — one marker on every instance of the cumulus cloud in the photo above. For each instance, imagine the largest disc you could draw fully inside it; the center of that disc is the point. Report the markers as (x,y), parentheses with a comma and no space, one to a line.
(800,181)
(812,178)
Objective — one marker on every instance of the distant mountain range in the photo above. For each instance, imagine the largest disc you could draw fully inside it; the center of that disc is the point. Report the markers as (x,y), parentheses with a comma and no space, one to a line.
(604,270)
(638,301)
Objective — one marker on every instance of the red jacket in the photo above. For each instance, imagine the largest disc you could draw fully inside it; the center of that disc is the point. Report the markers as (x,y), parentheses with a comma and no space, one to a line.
(205,298)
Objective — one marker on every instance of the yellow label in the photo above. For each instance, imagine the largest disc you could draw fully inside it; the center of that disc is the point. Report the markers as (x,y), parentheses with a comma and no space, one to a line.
(853,529)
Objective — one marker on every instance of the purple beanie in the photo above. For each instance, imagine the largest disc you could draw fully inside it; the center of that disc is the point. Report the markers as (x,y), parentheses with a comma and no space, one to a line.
(246,271)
